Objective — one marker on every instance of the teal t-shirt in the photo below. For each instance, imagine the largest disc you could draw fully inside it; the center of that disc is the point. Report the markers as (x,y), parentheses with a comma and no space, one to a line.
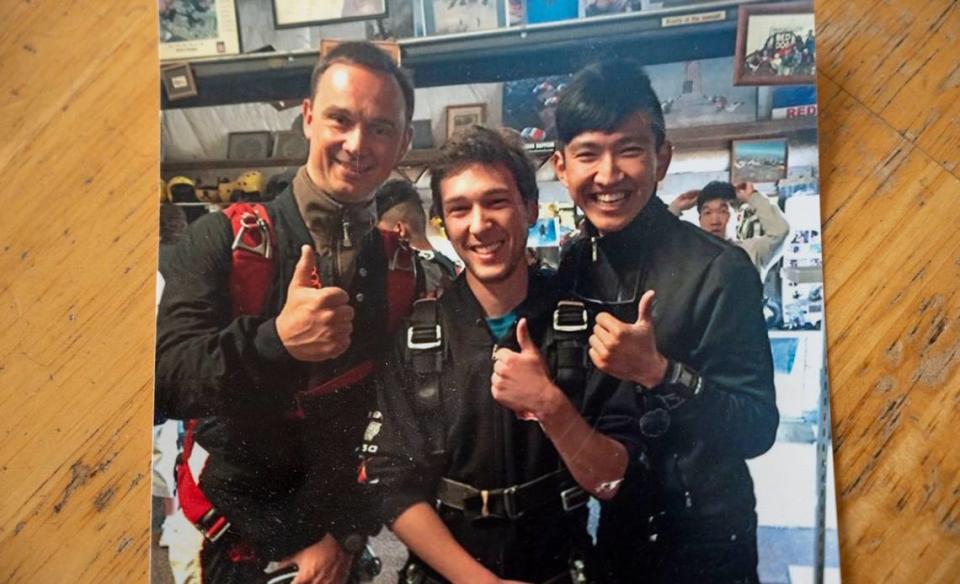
(500,325)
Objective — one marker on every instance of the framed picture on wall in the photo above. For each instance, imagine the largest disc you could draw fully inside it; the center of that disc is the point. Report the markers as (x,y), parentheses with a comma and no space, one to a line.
(461,116)
(446,17)
(776,45)
(178,82)
(758,161)
(194,30)
(295,13)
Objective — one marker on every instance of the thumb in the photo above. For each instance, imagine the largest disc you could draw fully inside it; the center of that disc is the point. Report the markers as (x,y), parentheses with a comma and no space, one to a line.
(303,272)
(645,308)
(523,338)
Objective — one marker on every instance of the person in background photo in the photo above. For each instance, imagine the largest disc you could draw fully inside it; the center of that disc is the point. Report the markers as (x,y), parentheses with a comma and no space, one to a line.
(762,228)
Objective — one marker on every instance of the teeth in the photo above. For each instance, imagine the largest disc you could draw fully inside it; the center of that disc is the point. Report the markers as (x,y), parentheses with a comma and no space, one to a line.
(610,197)
(487,248)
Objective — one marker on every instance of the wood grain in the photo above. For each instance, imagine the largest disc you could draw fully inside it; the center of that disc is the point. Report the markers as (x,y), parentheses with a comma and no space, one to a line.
(78,248)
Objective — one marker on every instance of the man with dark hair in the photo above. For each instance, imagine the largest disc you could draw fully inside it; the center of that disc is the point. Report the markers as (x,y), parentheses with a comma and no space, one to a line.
(399,209)
(280,394)
(713,208)
(482,464)
(699,356)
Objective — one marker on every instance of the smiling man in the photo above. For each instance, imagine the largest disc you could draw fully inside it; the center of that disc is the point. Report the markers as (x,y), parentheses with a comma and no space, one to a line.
(273,363)
(483,464)
(699,355)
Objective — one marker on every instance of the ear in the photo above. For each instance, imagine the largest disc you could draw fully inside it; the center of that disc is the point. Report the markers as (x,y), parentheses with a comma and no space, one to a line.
(664,156)
(560,166)
(402,231)
(406,144)
(533,213)
(306,108)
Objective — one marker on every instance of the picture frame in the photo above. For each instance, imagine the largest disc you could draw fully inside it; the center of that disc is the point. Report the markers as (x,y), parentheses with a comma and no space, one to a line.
(776,45)
(296,14)
(178,81)
(758,161)
(441,17)
(461,116)
(248,145)
(188,32)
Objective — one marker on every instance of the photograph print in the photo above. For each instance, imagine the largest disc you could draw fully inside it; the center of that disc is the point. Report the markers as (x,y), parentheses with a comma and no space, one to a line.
(776,44)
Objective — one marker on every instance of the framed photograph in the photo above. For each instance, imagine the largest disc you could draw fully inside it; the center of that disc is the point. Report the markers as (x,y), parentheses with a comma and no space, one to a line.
(192,29)
(758,161)
(178,82)
(295,13)
(461,116)
(290,144)
(776,45)
(446,17)
(248,145)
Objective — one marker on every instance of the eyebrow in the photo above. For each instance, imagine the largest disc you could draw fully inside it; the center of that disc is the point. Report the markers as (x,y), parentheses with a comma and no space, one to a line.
(332,109)
(588,144)
(484,194)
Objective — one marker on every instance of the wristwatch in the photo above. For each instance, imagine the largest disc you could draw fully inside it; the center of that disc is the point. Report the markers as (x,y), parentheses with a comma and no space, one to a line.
(682,379)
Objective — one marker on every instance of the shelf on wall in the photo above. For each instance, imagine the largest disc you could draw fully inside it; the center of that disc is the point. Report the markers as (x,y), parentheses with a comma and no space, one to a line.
(653,37)
(683,139)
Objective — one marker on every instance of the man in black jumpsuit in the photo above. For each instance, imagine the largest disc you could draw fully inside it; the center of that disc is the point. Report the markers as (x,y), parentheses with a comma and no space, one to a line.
(699,356)
(473,484)
(281,396)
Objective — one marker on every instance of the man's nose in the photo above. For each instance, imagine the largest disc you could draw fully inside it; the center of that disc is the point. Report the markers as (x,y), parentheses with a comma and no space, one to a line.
(608,170)
(354,139)
(479,221)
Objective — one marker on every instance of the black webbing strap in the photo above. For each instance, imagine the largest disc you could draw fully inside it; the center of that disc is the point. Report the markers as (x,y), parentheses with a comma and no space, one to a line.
(513,502)
(568,354)
(425,356)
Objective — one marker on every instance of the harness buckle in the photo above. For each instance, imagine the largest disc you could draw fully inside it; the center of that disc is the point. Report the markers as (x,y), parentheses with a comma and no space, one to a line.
(510,503)
(573,498)
(250,221)
(213,525)
(570,316)
(422,338)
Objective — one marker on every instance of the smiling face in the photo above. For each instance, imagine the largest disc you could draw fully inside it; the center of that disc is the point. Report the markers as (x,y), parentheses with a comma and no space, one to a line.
(357,131)
(611,176)
(714,216)
(486,220)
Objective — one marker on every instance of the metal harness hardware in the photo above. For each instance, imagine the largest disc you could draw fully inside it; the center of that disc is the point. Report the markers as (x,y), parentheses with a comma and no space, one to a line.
(570,316)
(249,222)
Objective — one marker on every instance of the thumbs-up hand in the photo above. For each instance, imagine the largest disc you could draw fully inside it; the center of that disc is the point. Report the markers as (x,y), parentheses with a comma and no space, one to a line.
(315,323)
(521,381)
(629,350)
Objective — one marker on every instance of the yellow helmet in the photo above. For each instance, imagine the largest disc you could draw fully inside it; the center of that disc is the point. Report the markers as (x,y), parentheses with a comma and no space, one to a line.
(249,183)
(181,189)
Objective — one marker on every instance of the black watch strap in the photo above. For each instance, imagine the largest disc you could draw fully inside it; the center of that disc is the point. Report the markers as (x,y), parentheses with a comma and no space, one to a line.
(683,380)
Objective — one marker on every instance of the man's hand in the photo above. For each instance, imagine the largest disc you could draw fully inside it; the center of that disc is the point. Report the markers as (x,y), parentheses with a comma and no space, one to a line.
(629,351)
(684,201)
(744,191)
(315,323)
(520,380)
(325,562)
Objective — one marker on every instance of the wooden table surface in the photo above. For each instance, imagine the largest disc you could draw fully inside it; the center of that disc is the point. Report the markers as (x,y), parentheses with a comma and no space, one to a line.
(79,157)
